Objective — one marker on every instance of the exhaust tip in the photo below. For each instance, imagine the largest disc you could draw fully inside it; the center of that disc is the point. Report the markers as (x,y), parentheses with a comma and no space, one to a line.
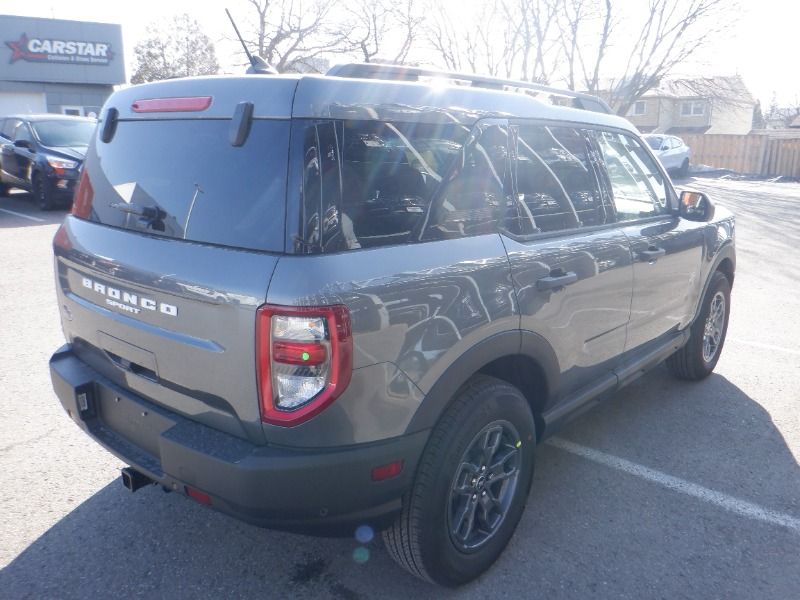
(134,480)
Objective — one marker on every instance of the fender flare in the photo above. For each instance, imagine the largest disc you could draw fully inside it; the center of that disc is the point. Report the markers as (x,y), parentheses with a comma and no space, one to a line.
(508,343)
(727,250)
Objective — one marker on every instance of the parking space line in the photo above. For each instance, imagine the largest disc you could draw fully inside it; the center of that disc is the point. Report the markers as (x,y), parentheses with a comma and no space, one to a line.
(729,503)
(16,214)
(765,346)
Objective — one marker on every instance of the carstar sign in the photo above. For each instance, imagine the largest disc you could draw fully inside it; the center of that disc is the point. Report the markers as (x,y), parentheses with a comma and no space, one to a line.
(60,51)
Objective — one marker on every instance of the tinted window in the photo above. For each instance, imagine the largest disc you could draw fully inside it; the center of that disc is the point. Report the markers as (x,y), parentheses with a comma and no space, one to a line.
(555,180)
(638,187)
(371,183)
(477,194)
(654,142)
(64,133)
(183,179)
(23,133)
(8,128)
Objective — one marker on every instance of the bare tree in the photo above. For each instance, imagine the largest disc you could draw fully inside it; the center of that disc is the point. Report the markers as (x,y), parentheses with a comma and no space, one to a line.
(585,28)
(670,34)
(533,42)
(176,49)
(373,24)
(292,35)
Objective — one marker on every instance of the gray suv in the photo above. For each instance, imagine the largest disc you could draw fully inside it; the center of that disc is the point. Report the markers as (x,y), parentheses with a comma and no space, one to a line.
(319,302)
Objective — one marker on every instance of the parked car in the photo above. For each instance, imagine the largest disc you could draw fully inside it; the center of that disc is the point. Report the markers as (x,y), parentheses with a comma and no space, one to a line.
(320,302)
(672,151)
(43,155)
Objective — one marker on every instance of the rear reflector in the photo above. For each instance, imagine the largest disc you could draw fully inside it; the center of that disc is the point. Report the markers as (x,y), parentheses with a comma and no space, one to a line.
(197,495)
(84,196)
(387,471)
(151,105)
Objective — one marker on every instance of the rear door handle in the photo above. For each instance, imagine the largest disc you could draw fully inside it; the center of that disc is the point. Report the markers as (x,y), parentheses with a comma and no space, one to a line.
(652,254)
(556,279)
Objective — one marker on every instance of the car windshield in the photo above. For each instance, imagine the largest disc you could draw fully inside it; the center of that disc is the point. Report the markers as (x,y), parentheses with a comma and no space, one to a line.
(63,133)
(654,142)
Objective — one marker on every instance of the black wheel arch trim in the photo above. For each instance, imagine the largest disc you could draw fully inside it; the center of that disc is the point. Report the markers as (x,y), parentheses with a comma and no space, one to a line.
(508,343)
(726,251)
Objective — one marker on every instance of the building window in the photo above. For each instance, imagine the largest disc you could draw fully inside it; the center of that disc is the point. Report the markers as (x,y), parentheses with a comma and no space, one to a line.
(639,108)
(75,111)
(693,109)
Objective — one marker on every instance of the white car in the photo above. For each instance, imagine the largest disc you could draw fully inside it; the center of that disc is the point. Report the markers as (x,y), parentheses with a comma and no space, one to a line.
(673,153)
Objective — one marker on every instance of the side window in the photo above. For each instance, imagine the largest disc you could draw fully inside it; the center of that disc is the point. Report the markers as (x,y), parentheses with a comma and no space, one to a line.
(22,132)
(371,183)
(477,195)
(8,128)
(324,225)
(639,189)
(556,184)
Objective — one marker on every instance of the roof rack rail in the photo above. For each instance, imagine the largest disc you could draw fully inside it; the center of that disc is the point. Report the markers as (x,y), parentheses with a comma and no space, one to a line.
(405,73)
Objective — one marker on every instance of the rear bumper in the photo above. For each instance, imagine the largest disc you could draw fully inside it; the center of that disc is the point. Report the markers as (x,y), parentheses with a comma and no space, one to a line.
(321,490)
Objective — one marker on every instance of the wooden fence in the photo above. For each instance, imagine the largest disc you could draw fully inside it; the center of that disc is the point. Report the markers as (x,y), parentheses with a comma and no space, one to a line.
(753,154)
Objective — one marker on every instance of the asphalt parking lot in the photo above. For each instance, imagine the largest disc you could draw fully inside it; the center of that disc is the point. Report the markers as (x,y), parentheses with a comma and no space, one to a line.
(670,490)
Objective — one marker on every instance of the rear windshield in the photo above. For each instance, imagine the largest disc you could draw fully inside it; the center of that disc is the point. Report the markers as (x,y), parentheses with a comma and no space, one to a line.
(183,179)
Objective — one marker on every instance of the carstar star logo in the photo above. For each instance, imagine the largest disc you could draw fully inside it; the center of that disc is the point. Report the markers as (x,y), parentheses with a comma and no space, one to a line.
(60,51)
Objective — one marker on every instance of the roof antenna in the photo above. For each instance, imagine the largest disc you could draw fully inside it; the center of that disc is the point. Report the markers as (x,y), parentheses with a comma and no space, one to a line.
(258,65)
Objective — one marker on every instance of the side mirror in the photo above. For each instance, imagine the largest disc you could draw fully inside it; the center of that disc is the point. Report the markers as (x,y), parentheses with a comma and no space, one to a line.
(663,147)
(23,144)
(695,206)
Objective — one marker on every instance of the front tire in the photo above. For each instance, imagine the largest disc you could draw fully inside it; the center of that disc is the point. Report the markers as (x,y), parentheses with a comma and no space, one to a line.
(41,195)
(697,359)
(471,486)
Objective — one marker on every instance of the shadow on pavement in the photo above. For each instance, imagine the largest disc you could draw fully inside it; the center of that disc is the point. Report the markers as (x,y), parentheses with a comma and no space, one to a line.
(588,531)
(22,203)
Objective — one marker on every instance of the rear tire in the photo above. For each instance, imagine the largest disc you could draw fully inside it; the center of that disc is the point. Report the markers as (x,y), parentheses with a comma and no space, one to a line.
(471,486)
(684,170)
(41,195)
(697,359)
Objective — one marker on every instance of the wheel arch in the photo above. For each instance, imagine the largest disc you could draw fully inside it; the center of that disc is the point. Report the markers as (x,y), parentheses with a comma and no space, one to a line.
(522,358)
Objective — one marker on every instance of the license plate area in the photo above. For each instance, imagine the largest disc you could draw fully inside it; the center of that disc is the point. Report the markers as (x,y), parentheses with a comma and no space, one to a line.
(136,422)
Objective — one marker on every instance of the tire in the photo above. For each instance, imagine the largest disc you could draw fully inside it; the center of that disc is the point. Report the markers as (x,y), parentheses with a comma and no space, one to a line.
(425,539)
(696,360)
(40,194)
(684,170)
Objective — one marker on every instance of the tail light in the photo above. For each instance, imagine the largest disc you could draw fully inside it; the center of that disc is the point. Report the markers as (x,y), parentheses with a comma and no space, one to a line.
(304,358)
(84,196)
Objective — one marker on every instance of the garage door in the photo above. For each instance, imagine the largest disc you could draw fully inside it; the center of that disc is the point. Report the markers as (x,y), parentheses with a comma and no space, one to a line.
(21,102)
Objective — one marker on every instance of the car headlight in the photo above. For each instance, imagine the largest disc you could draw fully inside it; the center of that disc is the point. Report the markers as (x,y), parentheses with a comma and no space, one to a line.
(60,164)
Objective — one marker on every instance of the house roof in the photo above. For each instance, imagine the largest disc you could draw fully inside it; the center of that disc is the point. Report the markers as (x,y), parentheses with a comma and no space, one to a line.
(795,122)
(728,89)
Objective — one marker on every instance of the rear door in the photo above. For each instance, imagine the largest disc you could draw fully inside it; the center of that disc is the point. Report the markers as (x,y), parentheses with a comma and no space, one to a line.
(571,266)
(177,235)
(666,250)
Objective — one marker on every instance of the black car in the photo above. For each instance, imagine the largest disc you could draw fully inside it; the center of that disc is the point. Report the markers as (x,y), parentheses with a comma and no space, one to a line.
(43,155)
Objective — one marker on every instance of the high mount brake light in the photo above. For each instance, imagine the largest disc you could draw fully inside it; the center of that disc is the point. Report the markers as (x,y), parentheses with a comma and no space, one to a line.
(304,360)
(189,104)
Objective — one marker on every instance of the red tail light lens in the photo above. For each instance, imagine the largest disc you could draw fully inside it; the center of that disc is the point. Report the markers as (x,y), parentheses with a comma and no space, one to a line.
(84,196)
(304,358)
(151,105)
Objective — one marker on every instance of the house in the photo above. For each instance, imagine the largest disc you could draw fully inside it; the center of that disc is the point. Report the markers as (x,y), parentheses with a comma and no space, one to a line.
(703,105)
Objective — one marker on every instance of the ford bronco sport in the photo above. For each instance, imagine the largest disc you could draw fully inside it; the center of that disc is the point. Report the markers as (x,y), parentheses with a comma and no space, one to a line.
(315,302)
